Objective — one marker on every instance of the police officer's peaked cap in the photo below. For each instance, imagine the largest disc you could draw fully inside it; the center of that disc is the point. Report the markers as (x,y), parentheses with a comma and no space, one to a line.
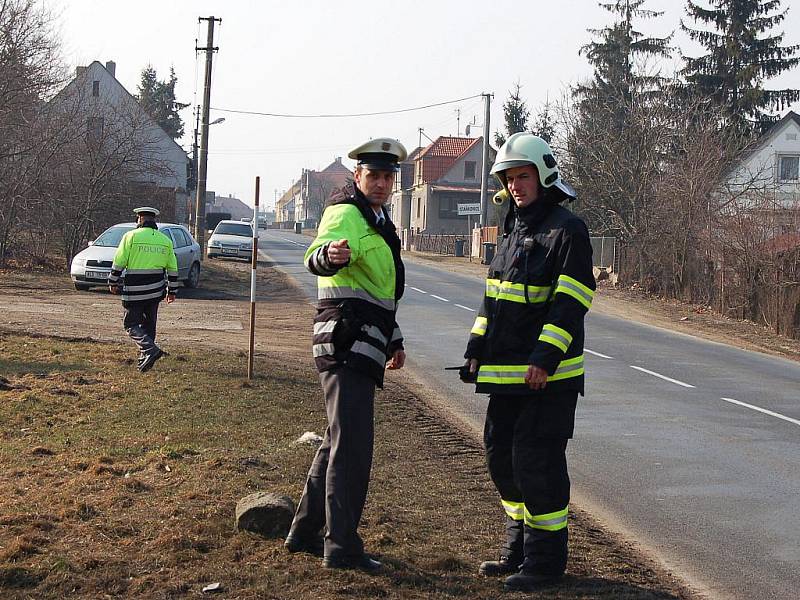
(380,154)
(147,211)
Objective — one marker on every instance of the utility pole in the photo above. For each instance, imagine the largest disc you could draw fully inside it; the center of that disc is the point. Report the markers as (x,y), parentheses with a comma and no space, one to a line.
(487,98)
(192,209)
(200,203)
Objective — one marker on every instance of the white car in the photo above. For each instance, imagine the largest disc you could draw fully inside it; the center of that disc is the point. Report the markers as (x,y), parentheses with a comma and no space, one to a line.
(91,266)
(232,239)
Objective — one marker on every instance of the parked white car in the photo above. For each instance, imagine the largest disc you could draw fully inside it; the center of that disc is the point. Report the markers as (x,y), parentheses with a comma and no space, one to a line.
(91,266)
(232,239)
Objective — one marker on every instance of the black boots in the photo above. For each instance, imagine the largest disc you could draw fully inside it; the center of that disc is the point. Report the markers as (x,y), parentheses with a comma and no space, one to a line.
(362,563)
(313,546)
(504,566)
(529,582)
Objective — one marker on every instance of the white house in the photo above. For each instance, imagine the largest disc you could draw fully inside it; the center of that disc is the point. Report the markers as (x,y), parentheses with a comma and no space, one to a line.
(771,168)
(114,118)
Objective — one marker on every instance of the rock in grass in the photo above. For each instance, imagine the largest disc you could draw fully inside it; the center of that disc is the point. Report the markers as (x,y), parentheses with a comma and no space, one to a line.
(309,437)
(265,513)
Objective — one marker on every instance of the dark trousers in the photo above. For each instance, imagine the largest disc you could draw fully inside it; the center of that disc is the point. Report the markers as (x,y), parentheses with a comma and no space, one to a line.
(336,488)
(526,441)
(140,324)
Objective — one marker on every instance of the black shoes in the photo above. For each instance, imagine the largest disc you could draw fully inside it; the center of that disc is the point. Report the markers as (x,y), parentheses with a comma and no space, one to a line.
(149,360)
(530,582)
(297,544)
(362,563)
(504,566)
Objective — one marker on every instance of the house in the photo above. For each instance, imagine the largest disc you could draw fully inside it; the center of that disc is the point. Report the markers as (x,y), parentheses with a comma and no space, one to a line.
(228,204)
(135,149)
(305,200)
(767,176)
(446,173)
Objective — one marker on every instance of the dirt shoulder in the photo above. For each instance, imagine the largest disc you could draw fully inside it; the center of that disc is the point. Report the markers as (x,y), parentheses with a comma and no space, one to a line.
(632,304)
(123,484)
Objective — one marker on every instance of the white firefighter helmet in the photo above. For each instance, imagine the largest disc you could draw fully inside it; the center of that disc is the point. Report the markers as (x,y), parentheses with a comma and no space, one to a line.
(527,149)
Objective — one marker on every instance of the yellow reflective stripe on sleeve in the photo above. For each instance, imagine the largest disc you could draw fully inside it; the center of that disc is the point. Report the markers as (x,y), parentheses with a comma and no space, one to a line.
(514,510)
(515,374)
(479,328)
(572,287)
(548,522)
(515,292)
(552,334)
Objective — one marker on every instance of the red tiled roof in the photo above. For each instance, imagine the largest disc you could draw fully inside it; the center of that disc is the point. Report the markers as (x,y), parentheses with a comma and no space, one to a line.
(442,154)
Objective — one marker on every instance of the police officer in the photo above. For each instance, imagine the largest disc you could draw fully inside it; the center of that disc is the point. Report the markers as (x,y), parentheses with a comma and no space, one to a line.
(526,348)
(356,257)
(151,274)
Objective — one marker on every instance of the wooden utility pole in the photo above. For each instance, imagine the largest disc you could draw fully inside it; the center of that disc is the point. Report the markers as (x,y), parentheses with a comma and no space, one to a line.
(200,201)
(251,353)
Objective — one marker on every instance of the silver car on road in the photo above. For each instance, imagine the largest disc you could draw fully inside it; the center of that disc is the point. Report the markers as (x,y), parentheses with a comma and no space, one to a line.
(91,266)
(231,239)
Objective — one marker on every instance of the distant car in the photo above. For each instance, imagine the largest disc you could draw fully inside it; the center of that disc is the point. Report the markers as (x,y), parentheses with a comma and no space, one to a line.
(91,266)
(232,239)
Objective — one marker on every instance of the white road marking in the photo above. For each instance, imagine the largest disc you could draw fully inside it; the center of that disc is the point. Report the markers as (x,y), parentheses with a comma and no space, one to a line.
(418,290)
(762,410)
(465,307)
(597,353)
(439,298)
(664,377)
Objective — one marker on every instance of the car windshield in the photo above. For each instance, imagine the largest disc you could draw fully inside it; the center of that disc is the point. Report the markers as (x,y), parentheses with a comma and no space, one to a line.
(234,229)
(111,237)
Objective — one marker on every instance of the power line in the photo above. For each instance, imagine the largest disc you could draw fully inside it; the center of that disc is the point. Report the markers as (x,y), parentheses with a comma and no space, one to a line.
(342,116)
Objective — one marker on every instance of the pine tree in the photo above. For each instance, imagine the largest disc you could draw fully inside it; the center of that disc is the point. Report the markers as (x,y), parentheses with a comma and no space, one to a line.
(543,125)
(741,56)
(620,54)
(157,98)
(516,115)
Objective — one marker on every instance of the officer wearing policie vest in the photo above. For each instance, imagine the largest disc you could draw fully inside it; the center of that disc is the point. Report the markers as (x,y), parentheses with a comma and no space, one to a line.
(526,351)
(356,256)
(151,274)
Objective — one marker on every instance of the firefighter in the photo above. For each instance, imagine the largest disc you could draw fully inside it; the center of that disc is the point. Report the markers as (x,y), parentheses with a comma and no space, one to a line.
(356,256)
(526,351)
(151,274)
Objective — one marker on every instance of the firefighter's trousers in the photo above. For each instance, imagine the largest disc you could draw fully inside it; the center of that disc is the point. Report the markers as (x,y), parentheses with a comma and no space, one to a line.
(336,488)
(526,441)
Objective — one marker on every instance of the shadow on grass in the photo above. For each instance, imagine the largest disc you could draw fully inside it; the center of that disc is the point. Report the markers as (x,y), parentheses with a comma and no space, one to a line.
(18,367)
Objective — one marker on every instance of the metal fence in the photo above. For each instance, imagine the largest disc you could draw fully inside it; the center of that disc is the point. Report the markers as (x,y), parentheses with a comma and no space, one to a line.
(604,253)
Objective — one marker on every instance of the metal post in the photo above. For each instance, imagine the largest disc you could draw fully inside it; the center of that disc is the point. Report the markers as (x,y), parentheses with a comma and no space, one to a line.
(485,162)
(251,353)
(200,202)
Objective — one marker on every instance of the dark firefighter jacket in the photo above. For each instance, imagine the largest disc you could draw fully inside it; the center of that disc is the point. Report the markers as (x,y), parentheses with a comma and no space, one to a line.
(148,259)
(357,302)
(539,287)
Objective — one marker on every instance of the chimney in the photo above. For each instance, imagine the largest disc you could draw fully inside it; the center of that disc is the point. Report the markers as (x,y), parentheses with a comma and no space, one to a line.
(111,67)
(338,159)
(79,71)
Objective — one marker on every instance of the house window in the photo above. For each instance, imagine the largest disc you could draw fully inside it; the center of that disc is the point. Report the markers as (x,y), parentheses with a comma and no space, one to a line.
(469,169)
(95,88)
(789,168)
(94,129)
(448,207)
(419,203)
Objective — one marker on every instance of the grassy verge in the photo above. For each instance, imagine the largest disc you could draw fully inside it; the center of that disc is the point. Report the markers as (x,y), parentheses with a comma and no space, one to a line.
(121,484)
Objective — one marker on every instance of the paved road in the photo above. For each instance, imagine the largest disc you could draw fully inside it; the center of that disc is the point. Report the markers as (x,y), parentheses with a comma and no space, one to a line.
(691,447)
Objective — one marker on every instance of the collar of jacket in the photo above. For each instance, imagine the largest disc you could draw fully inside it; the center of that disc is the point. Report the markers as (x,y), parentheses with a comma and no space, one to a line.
(150,224)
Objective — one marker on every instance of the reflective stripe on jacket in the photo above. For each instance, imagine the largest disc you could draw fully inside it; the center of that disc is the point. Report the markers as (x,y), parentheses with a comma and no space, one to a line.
(148,260)
(537,294)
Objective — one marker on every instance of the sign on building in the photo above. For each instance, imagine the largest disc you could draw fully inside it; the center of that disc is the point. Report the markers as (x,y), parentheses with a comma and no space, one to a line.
(469,209)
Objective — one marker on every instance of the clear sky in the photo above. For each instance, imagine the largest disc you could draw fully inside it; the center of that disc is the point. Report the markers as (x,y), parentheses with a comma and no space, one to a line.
(323,57)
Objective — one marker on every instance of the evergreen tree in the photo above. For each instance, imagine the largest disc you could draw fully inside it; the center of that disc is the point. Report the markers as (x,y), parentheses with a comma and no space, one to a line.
(741,56)
(515,113)
(543,125)
(157,98)
(620,54)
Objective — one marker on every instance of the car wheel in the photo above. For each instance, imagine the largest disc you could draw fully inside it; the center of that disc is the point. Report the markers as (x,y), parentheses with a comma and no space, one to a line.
(193,280)
(82,287)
